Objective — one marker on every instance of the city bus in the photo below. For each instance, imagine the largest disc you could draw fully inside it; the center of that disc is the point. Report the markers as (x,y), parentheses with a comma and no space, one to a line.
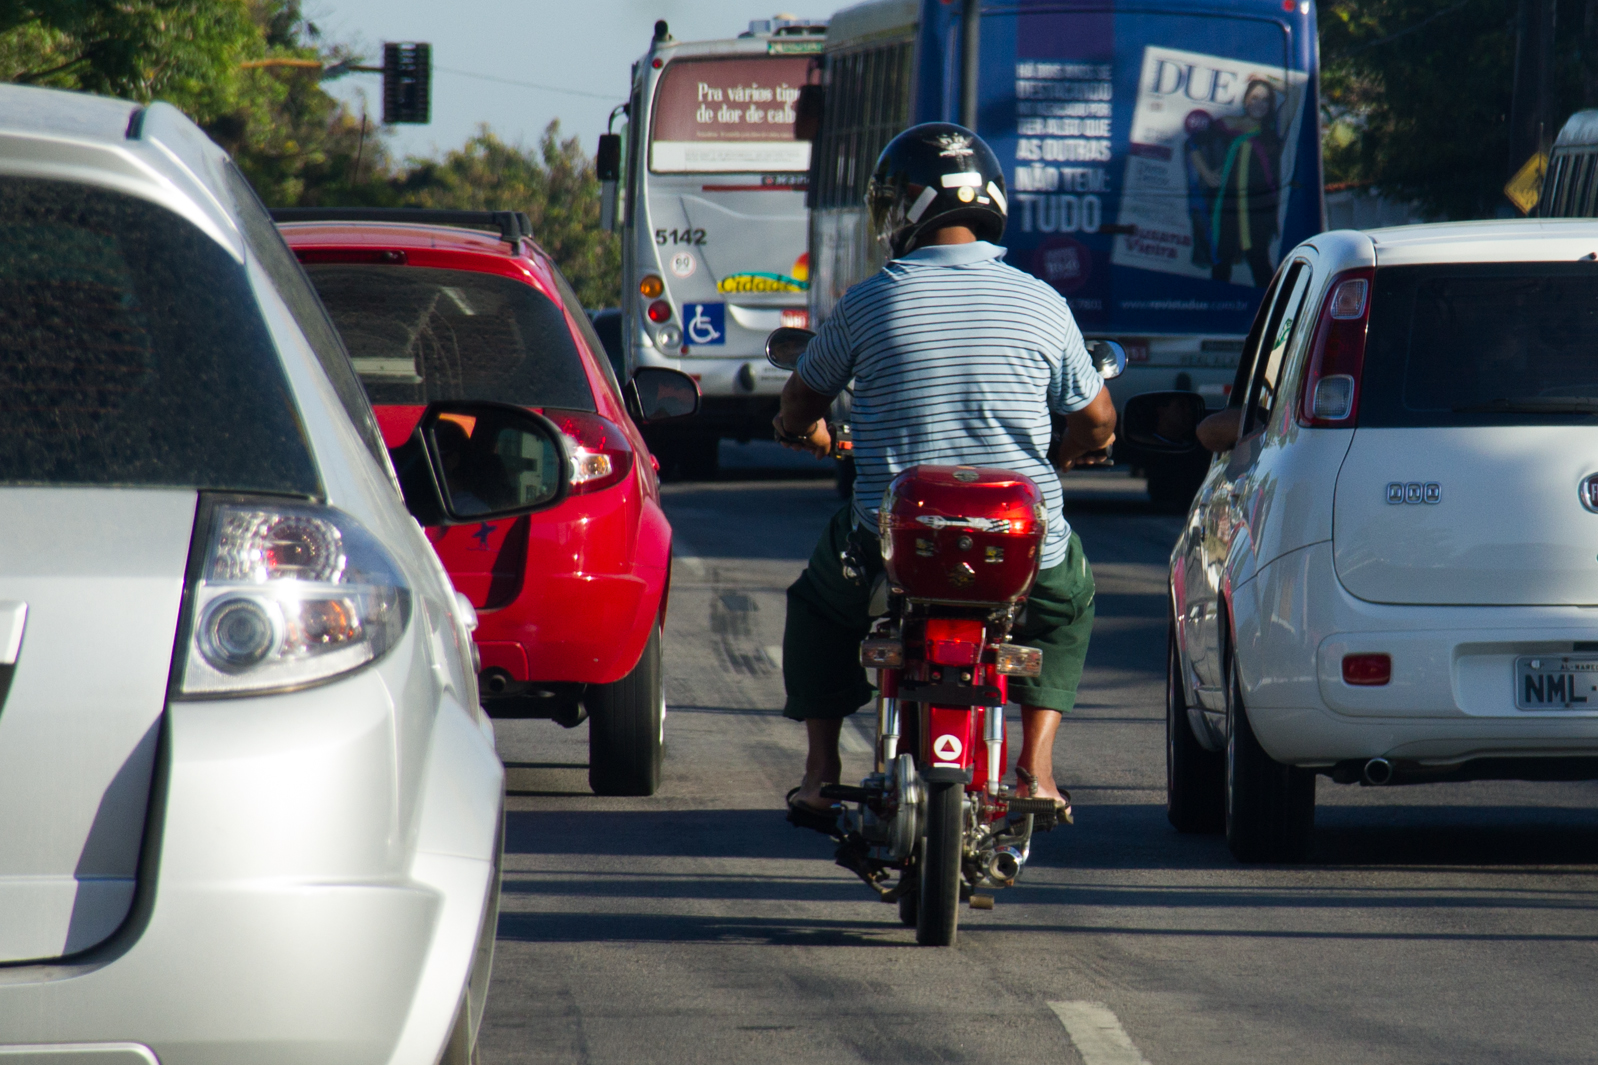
(1161,157)
(711,182)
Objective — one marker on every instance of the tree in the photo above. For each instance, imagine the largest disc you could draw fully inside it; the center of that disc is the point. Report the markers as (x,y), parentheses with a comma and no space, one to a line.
(1416,95)
(555,184)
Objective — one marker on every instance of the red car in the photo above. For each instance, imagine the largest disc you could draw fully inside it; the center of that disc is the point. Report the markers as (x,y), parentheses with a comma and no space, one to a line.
(570,600)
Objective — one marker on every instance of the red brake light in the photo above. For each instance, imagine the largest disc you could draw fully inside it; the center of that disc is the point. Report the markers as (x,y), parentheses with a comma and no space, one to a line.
(796,318)
(954,641)
(601,455)
(1367,670)
(350,255)
(659,311)
(1337,352)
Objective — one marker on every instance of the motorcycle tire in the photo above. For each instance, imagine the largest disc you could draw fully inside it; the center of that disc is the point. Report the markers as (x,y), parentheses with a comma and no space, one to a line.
(626,728)
(938,912)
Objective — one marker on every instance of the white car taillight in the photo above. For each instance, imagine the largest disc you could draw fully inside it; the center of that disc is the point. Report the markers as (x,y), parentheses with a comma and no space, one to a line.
(289,595)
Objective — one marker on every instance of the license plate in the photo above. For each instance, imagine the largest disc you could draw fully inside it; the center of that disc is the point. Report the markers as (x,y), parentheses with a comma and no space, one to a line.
(1556,682)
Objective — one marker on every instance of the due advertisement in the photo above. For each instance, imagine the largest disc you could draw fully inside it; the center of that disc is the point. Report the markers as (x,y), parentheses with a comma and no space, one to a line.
(1159,165)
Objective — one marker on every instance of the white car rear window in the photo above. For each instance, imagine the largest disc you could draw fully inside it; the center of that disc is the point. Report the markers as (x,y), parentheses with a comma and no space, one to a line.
(132,352)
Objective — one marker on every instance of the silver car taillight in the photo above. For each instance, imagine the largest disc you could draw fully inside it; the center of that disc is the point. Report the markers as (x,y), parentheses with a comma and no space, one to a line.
(289,595)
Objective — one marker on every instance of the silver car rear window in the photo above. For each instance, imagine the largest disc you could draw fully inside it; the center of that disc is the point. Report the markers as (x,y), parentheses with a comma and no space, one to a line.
(132,352)
(419,333)
(1482,344)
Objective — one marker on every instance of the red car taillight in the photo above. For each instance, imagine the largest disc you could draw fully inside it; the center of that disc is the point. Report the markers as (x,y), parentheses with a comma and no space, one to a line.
(1337,354)
(601,455)
(1370,670)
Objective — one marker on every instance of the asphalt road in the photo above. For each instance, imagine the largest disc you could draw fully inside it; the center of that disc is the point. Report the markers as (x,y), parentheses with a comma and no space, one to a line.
(1441,924)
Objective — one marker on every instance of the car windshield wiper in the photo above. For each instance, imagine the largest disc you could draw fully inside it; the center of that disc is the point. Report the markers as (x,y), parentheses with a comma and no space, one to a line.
(1533,405)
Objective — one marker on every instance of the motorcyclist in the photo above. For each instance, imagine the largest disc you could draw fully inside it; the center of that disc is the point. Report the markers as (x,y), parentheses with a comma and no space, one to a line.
(956,359)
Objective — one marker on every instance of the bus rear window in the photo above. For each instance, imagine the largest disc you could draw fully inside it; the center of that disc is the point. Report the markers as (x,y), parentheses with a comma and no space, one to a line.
(728,116)
(417,334)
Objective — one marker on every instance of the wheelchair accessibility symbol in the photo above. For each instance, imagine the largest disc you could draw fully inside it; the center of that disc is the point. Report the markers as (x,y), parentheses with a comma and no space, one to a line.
(707,323)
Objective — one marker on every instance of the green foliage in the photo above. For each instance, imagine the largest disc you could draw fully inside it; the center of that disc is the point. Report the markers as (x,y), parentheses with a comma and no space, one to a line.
(554,183)
(228,64)
(1416,96)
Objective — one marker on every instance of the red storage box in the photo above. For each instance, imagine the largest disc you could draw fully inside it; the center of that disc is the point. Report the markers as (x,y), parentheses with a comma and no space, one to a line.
(962,534)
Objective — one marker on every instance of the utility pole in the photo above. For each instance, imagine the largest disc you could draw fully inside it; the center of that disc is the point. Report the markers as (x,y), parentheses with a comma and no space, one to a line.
(970,55)
(1531,114)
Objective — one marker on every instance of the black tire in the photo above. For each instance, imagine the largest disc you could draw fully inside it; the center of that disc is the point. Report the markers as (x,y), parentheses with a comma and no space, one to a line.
(910,908)
(626,724)
(1195,778)
(1174,480)
(938,913)
(699,458)
(1270,807)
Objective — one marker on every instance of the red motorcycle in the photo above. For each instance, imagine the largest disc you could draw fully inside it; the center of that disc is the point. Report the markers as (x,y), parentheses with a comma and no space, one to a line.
(960,549)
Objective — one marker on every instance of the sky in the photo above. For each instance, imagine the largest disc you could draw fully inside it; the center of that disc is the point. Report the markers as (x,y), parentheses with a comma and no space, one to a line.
(579,51)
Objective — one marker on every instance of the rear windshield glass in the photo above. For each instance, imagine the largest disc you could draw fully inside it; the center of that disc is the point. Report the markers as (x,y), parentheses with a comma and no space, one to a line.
(418,334)
(1482,344)
(729,115)
(132,352)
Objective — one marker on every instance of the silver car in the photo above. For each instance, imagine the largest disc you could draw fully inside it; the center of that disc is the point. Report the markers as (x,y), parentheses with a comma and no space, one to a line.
(250,810)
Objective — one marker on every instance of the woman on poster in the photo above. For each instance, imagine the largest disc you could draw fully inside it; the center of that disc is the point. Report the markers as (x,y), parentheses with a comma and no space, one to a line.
(1248,186)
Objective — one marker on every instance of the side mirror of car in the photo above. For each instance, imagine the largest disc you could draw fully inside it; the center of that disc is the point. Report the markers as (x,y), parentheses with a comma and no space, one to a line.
(659,394)
(472,462)
(1163,422)
(785,345)
(1109,358)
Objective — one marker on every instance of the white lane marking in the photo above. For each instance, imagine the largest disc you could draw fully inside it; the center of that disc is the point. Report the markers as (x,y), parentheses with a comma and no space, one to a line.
(775,654)
(1096,1034)
(683,551)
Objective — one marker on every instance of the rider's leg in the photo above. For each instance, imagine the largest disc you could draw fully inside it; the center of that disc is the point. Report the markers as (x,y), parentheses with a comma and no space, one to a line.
(1058,620)
(1038,726)
(821,672)
(823,764)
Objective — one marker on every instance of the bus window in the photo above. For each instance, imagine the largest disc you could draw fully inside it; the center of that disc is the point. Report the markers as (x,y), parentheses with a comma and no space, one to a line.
(729,116)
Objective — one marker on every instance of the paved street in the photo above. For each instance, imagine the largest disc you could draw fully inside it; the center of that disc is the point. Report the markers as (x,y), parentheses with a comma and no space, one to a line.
(1444,924)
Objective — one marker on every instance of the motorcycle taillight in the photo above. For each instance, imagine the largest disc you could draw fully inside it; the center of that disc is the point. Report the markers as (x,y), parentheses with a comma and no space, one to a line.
(600,453)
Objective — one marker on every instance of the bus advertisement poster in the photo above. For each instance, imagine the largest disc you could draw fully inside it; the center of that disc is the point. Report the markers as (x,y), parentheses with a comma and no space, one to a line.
(1212,148)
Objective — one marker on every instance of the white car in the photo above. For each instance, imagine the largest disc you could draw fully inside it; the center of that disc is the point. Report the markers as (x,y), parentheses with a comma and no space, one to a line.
(250,809)
(1392,576)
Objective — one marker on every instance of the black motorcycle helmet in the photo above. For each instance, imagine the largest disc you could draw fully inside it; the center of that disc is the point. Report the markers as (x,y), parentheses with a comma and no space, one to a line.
(935,175)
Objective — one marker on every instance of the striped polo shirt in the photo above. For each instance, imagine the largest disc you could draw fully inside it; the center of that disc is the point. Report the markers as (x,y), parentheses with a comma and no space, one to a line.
(957,359)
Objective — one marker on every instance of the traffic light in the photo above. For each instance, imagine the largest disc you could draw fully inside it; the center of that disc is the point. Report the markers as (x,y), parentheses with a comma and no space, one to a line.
(407,82)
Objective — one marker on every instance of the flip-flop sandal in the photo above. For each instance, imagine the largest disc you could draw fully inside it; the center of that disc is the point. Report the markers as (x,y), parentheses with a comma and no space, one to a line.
(1062,805)
(803,815)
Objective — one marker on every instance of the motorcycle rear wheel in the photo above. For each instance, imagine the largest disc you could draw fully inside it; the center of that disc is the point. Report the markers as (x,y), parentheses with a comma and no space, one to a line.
(938,914)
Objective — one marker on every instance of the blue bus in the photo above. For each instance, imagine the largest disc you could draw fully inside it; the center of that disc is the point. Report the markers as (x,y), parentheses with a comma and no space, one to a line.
(1161,158)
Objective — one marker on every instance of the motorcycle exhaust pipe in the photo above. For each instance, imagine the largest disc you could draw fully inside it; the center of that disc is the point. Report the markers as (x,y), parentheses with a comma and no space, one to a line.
(1378,771)
(1005,865)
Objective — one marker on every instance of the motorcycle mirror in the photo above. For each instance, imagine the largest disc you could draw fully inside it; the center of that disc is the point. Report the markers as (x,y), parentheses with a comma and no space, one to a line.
(1109,358)
(785,345)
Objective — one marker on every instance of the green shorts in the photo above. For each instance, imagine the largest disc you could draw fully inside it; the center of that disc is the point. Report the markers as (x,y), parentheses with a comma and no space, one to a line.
(827,619)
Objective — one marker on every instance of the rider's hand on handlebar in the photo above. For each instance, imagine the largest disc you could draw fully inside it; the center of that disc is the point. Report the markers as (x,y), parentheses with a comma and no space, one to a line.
(1099,456)
(817,442)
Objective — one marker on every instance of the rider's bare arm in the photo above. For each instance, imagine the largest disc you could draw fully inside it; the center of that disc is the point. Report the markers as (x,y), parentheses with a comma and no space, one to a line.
(1087,430)
(802,414)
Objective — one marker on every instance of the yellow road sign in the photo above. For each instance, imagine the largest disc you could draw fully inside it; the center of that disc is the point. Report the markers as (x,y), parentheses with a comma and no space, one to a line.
(1527,184)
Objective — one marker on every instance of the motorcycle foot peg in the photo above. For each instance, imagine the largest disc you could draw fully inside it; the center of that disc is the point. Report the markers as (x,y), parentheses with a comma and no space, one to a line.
(845,793)
(982,902)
